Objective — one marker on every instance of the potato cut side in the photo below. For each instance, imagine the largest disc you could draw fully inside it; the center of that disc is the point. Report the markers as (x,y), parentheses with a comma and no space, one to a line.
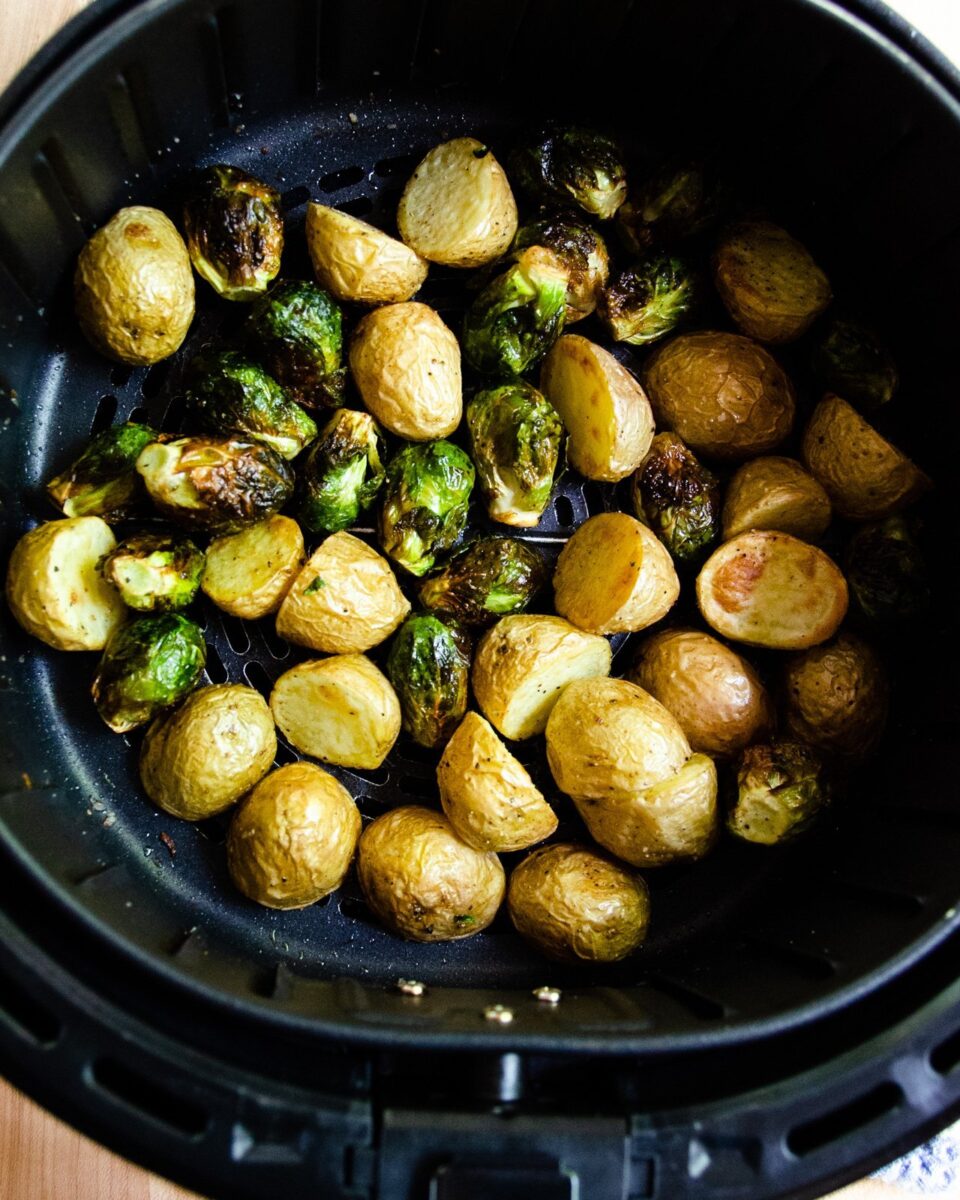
(770,589)
(604,410)
(248,573)
(356,261)
(341,710)
(775,493)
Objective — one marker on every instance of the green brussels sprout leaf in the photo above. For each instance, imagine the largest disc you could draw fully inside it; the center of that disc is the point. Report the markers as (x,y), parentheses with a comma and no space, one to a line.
(887,572)
(572,164)
(425,503)
(648,300)
(781,786)
(429,670)
(491,577)
(852,361)
(103,482)
(154,572)
(678,498)
(343,472)
(296,331)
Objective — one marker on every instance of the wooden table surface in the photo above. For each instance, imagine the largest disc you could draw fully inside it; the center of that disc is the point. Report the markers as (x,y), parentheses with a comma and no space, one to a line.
(40,1157)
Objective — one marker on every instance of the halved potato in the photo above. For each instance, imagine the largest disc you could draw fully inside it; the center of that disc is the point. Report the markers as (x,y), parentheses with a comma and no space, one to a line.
(345,599)
(248,573)
(771,589)
(341,710)
(614,575)
(489,798)
(356,261)
(457,208)
(604,410)
(523,664)
(54,588)
(775,493)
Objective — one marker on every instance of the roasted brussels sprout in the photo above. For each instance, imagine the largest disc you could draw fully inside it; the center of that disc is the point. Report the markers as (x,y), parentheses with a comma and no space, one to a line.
(215,484)
(147,665)
(296,331)
(228,392)
(343,472)
(234,231)
(103,482)
(154,572)
(887,572)
(430,672)
(516,319)
(676,203)
(851,360)
(677,497)
(572,164)
(493,576)
(581,250)
(781,786)
(646,301)
(425,503)
(515,438)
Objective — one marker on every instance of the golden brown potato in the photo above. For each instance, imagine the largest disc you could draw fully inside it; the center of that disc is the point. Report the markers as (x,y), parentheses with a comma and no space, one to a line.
(523,664)
(293,838)
(358,262)
(775,493)
(604,410)
(345,599)
(133,287)
(770,589)
(769,282)
(248,573)
(836,697)
(200,759)
(862,473)
(422,881)
(725,395)
(614,575)
(457,208)
(341,710)
(715,695)
(54,588)
(575,905)
(488,797)
(406,364)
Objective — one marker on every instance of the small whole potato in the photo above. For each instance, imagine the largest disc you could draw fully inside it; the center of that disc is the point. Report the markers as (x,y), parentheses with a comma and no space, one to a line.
(715,695)
(133,287)
(248,573)
(406,363)
(356,261)
(201,758)
(775,493)
(575,905)
(293,838)
(422,881)
(724,394)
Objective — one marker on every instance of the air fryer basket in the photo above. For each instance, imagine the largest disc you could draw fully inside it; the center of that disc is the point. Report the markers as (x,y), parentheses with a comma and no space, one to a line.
(794,1019)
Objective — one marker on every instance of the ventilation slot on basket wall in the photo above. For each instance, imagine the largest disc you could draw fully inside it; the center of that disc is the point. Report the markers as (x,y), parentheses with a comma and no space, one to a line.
(29,1017)
(945,1057)
(844,1121)
(148,1097)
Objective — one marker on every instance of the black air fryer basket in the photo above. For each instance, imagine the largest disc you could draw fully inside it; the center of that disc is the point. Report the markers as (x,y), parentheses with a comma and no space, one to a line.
(794,1020)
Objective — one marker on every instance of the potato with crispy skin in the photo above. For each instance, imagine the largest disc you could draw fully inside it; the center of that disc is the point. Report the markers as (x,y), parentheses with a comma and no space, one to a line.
(248,573)
(357,262)
(775,493)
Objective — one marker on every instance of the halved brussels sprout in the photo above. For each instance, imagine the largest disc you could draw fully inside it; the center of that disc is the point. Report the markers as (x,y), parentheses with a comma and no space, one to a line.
(573,164)
(781,786)
(673,204)
(296,329)
(646,301)
(103,481)
(425,503)
(154,572)
(851,360)
(493,576)
(887,572)
(677,497)
(430,672)
(581,250)
(343,471)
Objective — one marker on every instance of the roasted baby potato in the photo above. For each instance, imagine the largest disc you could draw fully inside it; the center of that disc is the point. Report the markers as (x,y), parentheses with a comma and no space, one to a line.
(775,493)
(341,710)
(248,573)
(725,395)
(523,664)
(422,881)
(781,786)
(770,589)
(345,599)
(489,798)
(293,838)
(356,261)
(457,208)
(715,695)
(603,408)
(614,576)
(203,757)
(575,905)
(133,287)
(769,282)
(54,588)
(863,474)
(406,363)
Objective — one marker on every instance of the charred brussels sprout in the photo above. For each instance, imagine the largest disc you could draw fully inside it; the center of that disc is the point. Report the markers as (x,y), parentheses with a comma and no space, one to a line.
(515,438)
(887,572)
(425,503)
(851,360)
(217,485)
(516,319)
(103,481)
(297,330)
(429,669)
(154,572)
(573,164)
(674,204)
(646,301)
(234,232)
(229,392)
(780,787)
(147,665)
(677,497)
(580,249)
(343,472)
(491,577)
